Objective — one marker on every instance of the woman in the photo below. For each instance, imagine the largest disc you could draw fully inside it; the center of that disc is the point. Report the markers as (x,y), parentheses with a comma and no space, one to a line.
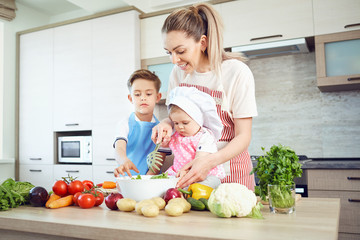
(193,39)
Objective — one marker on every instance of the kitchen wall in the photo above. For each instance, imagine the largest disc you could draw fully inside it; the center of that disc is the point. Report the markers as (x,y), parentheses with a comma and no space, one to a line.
(293,112)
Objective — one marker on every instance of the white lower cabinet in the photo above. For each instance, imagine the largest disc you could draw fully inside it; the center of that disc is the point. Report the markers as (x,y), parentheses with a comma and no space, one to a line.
(81,172)
(38,175)
(103,173)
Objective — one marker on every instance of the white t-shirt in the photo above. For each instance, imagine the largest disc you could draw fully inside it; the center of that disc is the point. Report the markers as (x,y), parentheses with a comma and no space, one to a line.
(207,142)
(236,79)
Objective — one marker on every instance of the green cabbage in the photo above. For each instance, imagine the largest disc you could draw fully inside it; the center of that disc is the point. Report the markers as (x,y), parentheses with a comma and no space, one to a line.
(13,194)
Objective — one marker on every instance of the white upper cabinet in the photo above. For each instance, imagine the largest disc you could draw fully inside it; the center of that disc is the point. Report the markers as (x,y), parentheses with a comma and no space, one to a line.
(151,39)
(72,77)
(35,94)
(256,21)
(116,55)
(331,16)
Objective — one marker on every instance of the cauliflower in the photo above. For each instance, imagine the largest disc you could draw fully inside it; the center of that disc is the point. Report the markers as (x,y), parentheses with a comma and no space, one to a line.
(234,199)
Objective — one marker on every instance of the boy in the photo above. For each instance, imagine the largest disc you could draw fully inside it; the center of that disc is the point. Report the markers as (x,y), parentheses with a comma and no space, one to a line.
(133,140)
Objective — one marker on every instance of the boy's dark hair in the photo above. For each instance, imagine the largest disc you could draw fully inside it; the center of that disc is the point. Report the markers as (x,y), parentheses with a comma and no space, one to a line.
(144,74)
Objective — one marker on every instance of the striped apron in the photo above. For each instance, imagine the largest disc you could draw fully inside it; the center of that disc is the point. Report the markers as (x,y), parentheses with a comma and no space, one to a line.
(238,168)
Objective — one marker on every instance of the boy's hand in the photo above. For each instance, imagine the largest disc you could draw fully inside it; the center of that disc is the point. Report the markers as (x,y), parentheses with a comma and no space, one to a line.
(126,167)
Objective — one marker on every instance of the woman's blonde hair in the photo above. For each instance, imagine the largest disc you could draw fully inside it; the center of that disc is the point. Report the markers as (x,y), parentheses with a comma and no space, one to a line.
(202,19)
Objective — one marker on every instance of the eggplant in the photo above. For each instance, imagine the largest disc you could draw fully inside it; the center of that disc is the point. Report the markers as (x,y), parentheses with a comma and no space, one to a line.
(38,196)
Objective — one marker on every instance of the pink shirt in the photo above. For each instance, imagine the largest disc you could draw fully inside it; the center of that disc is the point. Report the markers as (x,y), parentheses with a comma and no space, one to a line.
(185,148)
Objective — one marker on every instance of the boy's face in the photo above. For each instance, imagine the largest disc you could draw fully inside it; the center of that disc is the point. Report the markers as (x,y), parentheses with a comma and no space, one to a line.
(183,123)
(144,97)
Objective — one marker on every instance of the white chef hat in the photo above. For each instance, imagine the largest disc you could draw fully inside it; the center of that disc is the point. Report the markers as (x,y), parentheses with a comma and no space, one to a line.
(199,106)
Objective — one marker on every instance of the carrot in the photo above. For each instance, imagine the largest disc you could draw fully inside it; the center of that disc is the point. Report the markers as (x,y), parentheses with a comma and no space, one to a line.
(109,184)
(62,202)
(53,197)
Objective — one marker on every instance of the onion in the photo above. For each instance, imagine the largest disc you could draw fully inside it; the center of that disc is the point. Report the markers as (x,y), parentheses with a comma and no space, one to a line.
(111,200)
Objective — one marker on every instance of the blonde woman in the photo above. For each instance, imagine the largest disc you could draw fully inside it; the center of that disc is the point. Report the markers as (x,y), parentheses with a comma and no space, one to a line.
(193,39)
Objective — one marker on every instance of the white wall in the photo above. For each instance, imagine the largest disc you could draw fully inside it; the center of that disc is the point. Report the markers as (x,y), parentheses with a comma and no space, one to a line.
(1,83)
(26,18)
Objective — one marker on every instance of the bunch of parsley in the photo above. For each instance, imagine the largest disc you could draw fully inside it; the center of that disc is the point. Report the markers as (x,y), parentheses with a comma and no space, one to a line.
(279,166)
(13,193)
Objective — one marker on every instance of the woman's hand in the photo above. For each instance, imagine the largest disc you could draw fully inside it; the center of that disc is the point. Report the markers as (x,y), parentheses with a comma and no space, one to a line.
(195,171)
(162,132)
(126,167)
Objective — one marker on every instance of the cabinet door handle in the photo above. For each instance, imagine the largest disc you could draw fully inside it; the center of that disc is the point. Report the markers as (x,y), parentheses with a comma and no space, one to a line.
(35,159)
(35,170)
(266,37)
(353,178)
(352,25)
(353,79)
(353,200)
(110,159)
(71,124)
(112,172)
(72,171)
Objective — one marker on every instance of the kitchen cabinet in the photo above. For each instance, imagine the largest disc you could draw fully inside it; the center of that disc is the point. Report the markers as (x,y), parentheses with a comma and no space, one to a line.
(151,38)
(343,184)
(35,98)
(115,58)
(337,65)
(81,172)
(37,174)
(256,21)
(331,16)
(103,173)
(72,76)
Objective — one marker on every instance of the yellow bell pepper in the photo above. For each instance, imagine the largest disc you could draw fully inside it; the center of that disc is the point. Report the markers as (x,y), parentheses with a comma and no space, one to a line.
(197,191)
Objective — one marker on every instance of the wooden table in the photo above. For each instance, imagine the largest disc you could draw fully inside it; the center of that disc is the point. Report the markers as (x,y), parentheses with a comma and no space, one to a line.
(315,218)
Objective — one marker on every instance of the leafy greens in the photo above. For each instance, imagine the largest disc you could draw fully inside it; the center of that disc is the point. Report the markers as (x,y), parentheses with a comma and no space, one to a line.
(13,193)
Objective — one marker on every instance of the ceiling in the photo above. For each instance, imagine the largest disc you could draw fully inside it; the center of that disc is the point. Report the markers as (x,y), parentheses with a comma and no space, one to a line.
(56,7)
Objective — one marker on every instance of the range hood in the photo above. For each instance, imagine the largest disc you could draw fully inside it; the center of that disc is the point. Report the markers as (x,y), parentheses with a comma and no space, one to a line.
(291,46)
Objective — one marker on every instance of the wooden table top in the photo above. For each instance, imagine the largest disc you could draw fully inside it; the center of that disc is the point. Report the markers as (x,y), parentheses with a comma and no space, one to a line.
(315,218)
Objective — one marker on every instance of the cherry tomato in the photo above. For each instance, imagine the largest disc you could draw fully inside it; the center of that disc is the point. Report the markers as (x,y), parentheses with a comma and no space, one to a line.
(60,188)
(88,184)
(86,200)
(76,198)
(99,198)
(75,186)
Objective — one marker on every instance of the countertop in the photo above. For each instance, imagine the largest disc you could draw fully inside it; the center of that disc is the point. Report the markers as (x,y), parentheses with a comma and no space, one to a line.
(327,163)
(315,218)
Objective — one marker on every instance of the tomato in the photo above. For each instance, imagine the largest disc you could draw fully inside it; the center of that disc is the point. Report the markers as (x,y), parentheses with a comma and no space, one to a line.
(60,188)
(88,184)
(75,186)
(86,200)
(99,198)
(76,198)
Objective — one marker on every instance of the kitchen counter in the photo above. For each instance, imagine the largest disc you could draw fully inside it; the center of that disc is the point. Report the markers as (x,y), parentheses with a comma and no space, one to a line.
(315,218)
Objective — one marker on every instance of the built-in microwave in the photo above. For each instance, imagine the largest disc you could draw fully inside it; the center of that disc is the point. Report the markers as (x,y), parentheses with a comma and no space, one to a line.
(75,149)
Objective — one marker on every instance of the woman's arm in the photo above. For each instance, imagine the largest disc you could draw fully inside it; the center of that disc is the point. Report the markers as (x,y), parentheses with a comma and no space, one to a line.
(162,132)
(199,168)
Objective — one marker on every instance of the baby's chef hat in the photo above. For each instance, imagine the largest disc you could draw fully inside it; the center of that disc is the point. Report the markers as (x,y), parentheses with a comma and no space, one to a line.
(199,106)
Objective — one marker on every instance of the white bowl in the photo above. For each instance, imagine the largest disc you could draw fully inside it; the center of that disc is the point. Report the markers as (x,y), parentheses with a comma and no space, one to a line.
(145,188)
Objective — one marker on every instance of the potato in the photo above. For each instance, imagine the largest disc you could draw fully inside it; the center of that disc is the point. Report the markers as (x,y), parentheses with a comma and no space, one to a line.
(174,209)
(150,210)
(126,204)
(142,203)
(159,202)
(182,201)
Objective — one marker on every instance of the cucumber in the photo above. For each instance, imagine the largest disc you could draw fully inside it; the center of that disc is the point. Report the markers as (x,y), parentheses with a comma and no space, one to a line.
(205,202)
(196,204)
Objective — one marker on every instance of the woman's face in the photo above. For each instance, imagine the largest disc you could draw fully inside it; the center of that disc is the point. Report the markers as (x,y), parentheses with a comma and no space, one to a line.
(185,51)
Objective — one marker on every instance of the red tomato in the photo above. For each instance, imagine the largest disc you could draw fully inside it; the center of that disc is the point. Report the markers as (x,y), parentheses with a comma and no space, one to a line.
(60,188)
(86,200)
(75,186)
(99,198)
(76,198)
(88,184)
